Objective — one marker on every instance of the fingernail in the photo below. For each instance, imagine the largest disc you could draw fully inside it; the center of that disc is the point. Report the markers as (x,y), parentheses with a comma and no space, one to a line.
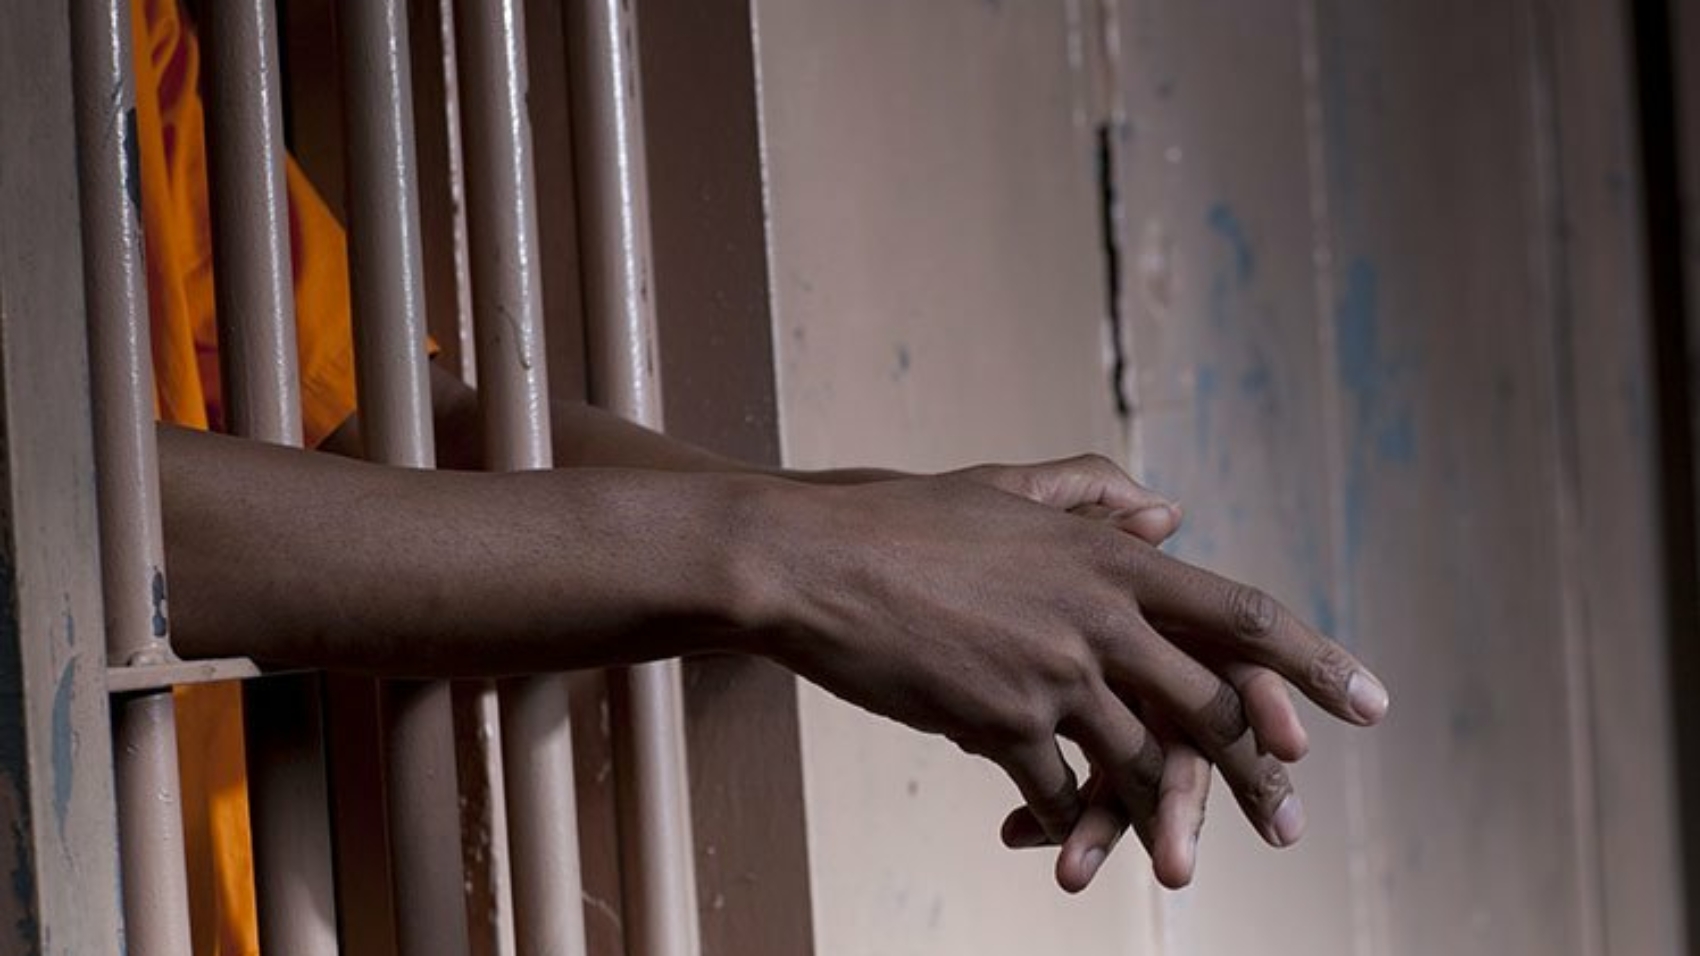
(1366,696)
(1288,824)
(1089,863)
(1152,522)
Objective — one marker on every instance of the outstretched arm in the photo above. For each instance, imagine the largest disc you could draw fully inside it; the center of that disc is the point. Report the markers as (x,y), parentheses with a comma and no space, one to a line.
(973,605)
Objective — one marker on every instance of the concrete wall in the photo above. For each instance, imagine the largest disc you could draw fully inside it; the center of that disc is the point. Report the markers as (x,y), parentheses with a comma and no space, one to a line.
(1382,298)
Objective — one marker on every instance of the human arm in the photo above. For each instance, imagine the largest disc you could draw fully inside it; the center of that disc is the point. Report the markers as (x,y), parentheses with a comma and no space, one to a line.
(946,603)
(584,435)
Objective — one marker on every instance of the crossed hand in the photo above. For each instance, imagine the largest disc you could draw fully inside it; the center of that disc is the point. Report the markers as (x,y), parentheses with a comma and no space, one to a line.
(1251,643)
(1007,606)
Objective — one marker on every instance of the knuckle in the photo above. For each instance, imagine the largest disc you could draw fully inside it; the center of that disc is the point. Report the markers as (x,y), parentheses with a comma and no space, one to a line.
(1223,718)
(1269,786)
(1023,726)
(1329,670)
(1060,803)
(1071,671)
(1253,614)
(1093,461)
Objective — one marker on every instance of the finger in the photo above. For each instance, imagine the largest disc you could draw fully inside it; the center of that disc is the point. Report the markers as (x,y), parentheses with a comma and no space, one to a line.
(1085,479)
(1047,783)
(1124,755)
(1101,826)
(1021,830)
(1146,667)
(1181,799)
(1241,622)
(1153,525)
(1268,709)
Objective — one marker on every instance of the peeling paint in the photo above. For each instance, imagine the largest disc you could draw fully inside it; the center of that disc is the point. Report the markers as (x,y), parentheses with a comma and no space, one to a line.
(1383,430)
(1205,389)
(161,622)
(64,744)
(1227,226)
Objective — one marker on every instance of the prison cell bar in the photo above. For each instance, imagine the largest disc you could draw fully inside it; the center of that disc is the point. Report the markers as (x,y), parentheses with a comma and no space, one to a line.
(57,832)
(150,822)
(288,796)
(448,298)
(620,327)
(513,385)
(386,274)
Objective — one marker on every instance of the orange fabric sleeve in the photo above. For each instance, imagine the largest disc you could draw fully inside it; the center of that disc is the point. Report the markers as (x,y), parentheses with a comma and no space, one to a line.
(181,303)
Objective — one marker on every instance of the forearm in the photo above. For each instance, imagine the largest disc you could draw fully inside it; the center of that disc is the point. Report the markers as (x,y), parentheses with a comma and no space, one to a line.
(294,557)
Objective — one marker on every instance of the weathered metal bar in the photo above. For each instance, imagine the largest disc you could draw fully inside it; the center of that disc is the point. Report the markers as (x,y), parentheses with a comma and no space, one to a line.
(58,835)
(513,383)
(386,269)
(442,185)
(448,301)
(608,125)
(288,796)
(484,819)
(156,897)
(128,680)
(710,243)
(596,786)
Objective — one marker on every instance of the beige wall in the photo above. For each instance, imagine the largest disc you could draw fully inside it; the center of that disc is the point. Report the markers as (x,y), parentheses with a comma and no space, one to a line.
(940,292)
(1383,298)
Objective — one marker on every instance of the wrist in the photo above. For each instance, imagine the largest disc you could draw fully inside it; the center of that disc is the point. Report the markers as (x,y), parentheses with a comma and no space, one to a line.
(774,532)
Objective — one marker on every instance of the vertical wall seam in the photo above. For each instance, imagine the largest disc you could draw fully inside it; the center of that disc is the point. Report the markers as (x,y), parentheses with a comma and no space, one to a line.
(1548,266)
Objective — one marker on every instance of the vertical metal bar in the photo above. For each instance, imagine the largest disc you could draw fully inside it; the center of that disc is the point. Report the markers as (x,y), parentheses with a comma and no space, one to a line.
(58,839)
(288,795)
(386,269)
(476,728)
(608,122)
(513,380)
(442,185)
(484,819)
(597,787)
(709,247)
(156,899)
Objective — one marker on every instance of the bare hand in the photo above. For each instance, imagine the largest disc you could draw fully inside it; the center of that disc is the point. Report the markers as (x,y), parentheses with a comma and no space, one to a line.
(974,606)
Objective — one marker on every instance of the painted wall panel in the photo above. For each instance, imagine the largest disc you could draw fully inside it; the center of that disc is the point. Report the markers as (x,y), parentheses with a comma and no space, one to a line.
(1231,407)
(939,300)
(1383,300)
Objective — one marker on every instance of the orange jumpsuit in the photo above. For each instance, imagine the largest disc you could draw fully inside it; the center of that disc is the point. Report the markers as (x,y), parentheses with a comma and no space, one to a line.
(172,152)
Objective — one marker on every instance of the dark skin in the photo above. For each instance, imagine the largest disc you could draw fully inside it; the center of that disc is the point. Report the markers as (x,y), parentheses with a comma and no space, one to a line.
(999,606)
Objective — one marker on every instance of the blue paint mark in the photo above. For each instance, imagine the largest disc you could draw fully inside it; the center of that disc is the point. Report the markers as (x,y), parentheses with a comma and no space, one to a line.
(1396,440)
(1257,378)
(1204,392)
(1225,224)
(64,744)
(1357,348)
(161,623)
(1383,429)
